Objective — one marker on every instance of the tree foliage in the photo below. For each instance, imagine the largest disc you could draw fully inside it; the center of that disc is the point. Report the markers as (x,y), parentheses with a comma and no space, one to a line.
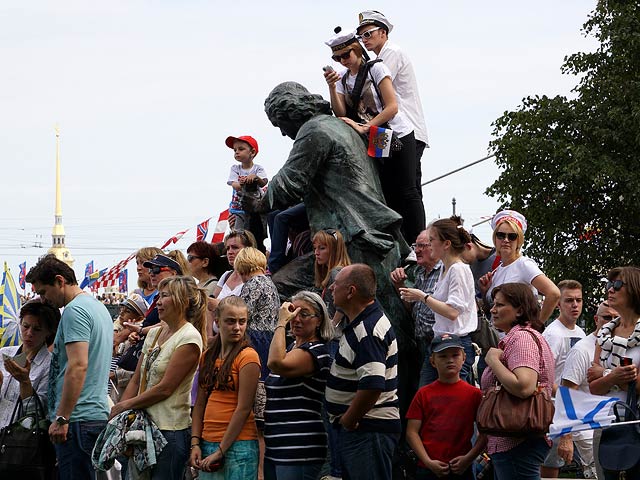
(571,165)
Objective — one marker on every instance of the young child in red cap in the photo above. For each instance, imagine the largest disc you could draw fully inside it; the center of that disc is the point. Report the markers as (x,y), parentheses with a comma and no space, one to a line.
(245,176)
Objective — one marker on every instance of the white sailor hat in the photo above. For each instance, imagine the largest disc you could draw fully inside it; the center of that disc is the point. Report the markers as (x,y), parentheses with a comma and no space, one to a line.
(341,39)
(373,17)
(512,215)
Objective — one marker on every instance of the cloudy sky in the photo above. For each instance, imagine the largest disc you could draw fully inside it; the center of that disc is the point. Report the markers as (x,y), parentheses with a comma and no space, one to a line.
(146,92)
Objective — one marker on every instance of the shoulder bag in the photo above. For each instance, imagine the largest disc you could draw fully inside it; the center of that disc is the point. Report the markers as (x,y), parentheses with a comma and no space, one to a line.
(502,414)
(620,445)
(25,449)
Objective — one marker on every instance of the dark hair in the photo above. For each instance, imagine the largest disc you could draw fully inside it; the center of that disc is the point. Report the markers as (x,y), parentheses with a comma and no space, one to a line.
(48,315)
(519,295)
(204,250)
(211,377)
(630,275)
(451,229)
(363,278)
(46,270)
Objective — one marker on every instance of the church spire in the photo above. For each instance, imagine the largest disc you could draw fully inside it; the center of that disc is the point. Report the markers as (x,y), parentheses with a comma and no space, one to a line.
(58,247)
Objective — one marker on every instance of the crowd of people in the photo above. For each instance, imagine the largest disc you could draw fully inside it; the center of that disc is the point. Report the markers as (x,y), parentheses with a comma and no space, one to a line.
(210,371)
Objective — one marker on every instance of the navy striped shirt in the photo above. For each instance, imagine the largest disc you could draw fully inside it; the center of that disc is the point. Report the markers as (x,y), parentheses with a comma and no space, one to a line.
(293,429)
(367,359)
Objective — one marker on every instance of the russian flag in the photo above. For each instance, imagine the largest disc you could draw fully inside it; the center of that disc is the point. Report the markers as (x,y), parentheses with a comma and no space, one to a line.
(379,142)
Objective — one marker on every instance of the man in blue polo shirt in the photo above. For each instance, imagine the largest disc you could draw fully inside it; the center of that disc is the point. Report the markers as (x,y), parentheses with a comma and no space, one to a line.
(361,389)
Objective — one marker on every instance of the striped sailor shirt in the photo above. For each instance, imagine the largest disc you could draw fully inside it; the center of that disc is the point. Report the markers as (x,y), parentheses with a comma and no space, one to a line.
(367,359)
(293,428)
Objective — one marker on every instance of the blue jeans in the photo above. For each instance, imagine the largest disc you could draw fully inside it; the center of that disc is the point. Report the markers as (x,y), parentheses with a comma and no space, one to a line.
(366,455)
(521,462)
(240,460)
(173,457)
(261,341)
(74,455)
(279,222)
(307,471)
(429,374)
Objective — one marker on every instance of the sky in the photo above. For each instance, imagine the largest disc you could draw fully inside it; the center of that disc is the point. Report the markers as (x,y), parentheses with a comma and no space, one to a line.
(145,94)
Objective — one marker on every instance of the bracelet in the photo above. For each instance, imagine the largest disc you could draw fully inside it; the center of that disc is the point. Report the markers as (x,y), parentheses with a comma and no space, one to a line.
(279,326)
(194,446)
(424,300)
(221,452)
(195,436)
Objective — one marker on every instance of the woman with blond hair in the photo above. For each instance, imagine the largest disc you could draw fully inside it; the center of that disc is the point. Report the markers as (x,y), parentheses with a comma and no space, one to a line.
(331,256)
(509,228)
(161,384)
(145,289)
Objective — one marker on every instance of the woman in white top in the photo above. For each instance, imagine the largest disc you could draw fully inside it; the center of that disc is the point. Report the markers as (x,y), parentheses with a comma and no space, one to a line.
(375,104)
(38,326)
(230,282)
(508,236)
(617,355)
(453,301)
(161,384)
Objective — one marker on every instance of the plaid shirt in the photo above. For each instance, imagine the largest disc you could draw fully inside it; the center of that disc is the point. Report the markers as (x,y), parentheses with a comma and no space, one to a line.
(422,315)
(520,350)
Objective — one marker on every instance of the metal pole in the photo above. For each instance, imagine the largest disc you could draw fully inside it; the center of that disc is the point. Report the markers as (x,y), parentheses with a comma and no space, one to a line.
(458,169)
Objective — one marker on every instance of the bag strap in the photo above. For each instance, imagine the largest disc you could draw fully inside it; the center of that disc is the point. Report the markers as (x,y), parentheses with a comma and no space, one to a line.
(542,364)
(359,85)
(143,379)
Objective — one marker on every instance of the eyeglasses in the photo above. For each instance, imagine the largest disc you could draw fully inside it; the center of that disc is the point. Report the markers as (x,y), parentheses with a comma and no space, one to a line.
(191,258)
(368,33)
(342,56)
(305,315)
(615,284)
(419,246)
(155,270)
(511,236)
(606,318)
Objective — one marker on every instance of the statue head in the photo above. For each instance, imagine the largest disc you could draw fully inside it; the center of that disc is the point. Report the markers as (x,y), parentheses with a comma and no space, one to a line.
(290,105)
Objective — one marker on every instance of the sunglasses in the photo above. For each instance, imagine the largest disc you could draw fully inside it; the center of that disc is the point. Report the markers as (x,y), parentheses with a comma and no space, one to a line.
(342,56)
(606,318)
(331,232)
(368,33)
(615,284)
(511,236)
(191,258)
(155,270)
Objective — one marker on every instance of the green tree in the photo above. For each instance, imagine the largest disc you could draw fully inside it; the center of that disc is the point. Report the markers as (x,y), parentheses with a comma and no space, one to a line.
(571,165)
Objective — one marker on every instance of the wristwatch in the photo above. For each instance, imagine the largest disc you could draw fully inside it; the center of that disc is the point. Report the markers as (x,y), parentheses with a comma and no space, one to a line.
(424,300)
(60,420)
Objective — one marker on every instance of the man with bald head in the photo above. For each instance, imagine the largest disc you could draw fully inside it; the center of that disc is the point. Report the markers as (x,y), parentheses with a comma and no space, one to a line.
(574,375)
(361,388)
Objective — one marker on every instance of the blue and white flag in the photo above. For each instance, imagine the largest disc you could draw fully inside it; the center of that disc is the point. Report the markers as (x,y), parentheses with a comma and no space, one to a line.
(577,411)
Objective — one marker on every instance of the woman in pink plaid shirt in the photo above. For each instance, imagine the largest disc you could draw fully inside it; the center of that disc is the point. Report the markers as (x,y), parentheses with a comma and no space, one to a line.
(517,365)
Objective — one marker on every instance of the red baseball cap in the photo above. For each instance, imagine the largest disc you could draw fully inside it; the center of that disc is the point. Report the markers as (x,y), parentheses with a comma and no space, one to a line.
(245,138)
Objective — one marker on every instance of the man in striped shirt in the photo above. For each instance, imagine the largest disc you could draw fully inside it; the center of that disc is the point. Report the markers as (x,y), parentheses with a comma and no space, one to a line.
(361,389)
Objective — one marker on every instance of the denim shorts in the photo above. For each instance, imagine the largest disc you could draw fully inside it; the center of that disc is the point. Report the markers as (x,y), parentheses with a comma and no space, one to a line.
(240,460)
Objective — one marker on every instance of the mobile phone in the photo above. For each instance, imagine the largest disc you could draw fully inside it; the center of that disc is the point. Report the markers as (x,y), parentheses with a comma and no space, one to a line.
(20,359)
(626,361)
(327,68)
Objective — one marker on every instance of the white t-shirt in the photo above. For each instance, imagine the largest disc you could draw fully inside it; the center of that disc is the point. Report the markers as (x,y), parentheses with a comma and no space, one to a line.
(577,363)
(561,339)
(378,71)
(225,290)
(523,270)
(406,87)
(238,171)
(456,289)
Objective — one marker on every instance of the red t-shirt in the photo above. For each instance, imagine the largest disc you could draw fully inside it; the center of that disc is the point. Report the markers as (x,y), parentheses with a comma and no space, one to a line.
(448,412)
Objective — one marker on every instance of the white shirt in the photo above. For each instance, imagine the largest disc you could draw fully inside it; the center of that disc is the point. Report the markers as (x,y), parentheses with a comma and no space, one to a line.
(406,87)
(560,340)
(456,289)
(575,369)
(400,124)
(523,270)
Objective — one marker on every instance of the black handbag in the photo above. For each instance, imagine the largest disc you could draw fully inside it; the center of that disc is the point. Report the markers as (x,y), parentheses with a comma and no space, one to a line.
(25,450)
(620,446)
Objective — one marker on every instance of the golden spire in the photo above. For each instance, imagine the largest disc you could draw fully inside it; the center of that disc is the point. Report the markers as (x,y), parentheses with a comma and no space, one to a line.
(58,247)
